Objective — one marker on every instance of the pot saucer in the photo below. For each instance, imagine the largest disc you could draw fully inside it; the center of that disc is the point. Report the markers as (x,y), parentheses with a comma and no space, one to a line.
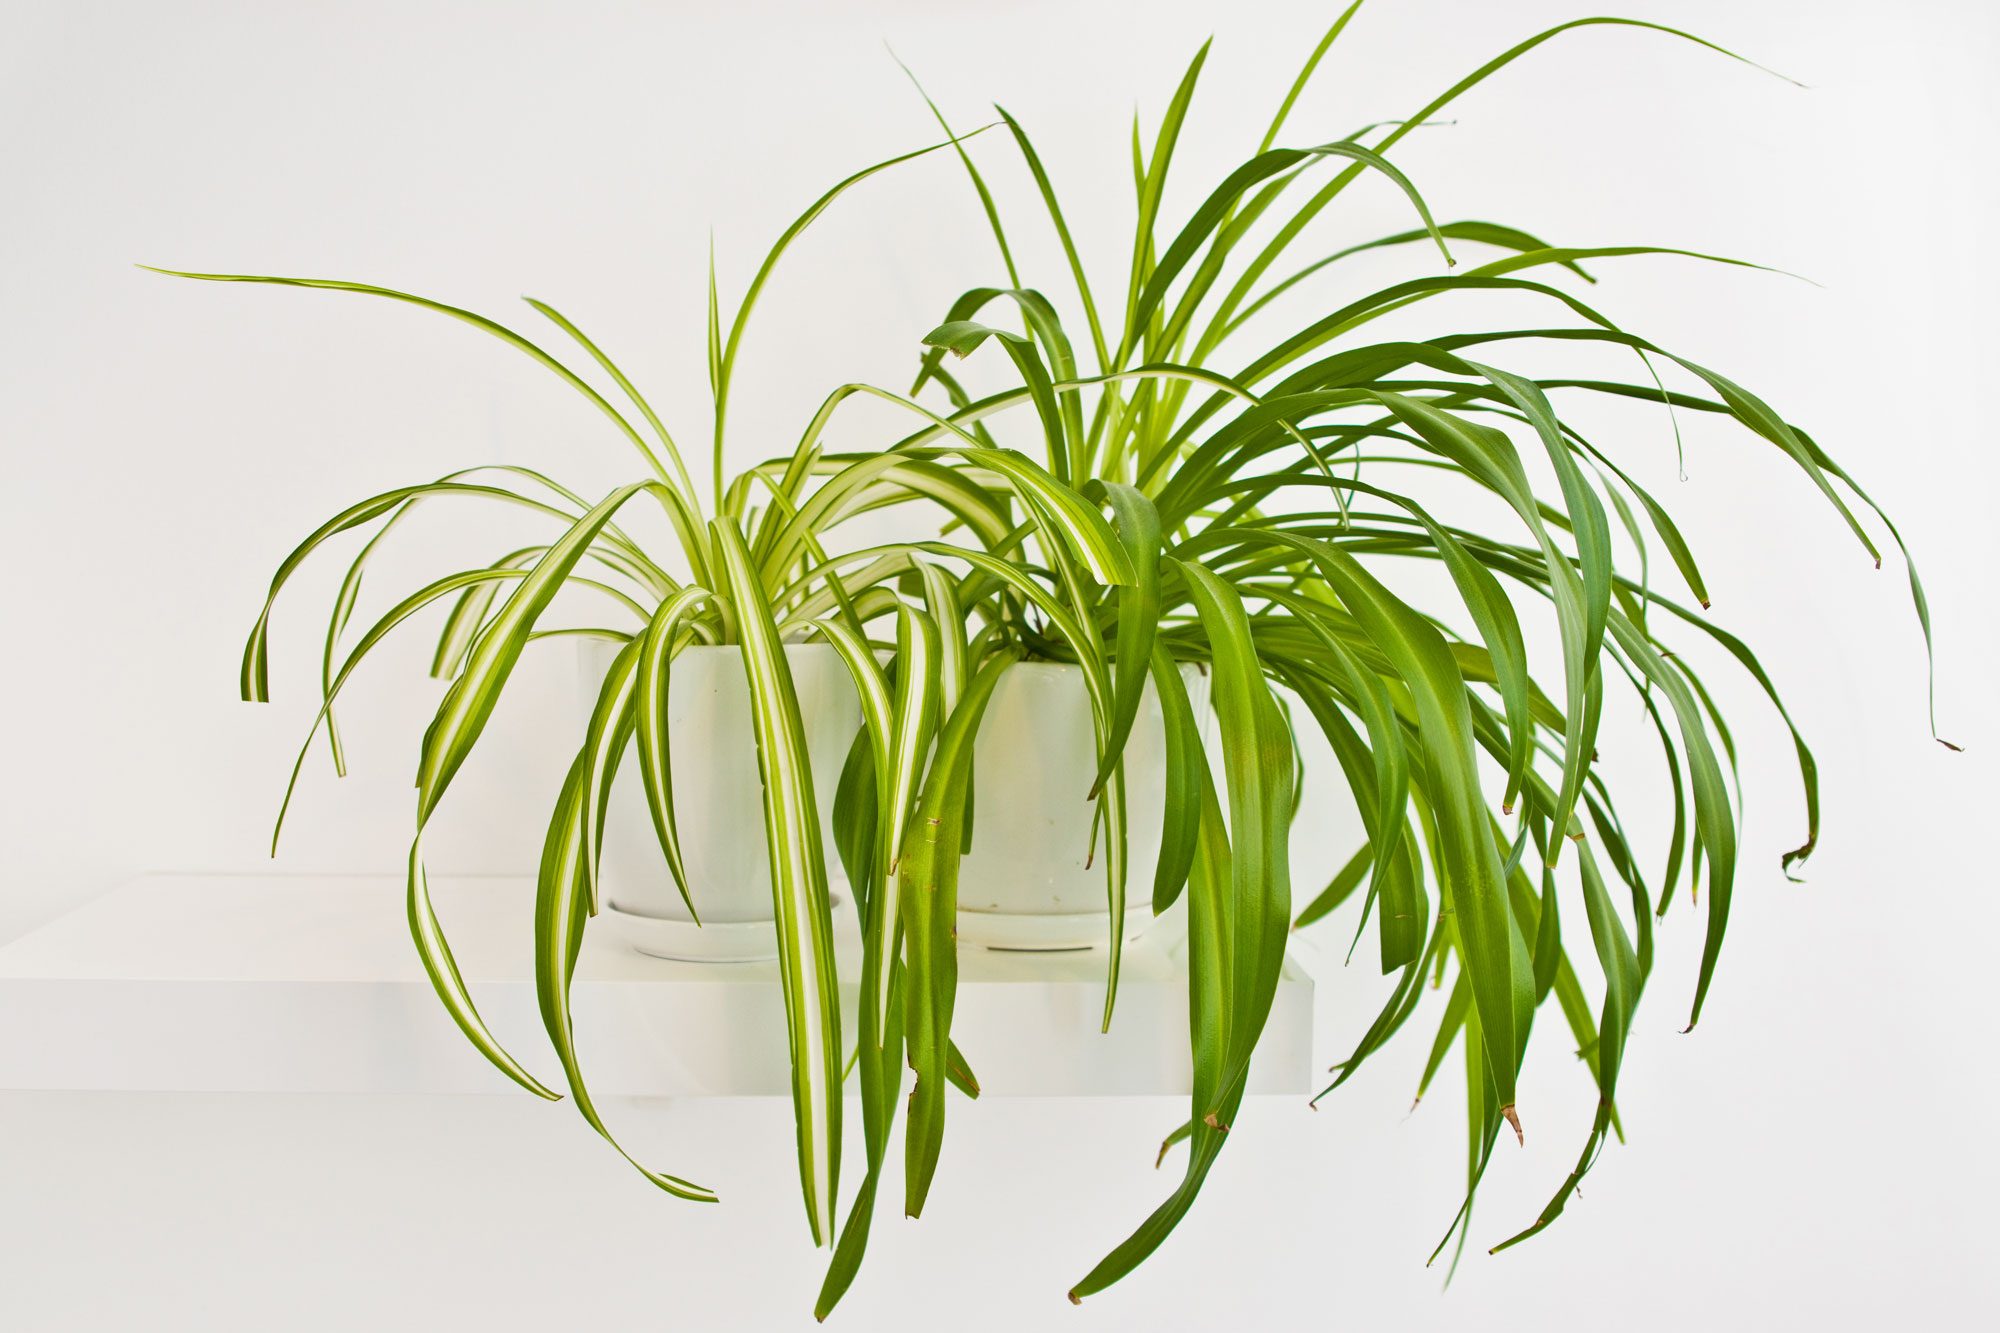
(1052,932)
(686,942)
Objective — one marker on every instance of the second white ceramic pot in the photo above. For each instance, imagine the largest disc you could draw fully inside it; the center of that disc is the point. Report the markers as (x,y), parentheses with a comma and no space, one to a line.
(718,799)
(1026,884)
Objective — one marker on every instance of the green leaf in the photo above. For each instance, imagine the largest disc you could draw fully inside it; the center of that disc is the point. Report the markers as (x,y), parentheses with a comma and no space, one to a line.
(1138,525)
(1240,908)
(1259,168)
(799,900)
(563,902)
(928,872)
(477,321)
(723,365)
(663,638)
(1186,778)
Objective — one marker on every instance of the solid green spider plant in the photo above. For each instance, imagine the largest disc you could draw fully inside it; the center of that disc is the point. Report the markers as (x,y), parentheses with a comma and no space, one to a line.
(1256,490)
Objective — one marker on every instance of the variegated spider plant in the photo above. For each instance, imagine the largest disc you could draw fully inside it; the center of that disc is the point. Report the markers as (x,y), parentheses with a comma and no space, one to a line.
(758,578)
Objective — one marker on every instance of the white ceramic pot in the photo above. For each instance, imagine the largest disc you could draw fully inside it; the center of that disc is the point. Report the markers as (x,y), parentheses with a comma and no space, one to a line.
(1025,884)
(718,800)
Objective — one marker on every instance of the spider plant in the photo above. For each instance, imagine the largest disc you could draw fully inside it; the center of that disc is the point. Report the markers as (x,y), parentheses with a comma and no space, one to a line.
(1200,497)
(1259,483)
(753,575)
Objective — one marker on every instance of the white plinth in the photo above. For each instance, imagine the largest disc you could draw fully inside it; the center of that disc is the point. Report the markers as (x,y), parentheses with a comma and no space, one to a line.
(210,983)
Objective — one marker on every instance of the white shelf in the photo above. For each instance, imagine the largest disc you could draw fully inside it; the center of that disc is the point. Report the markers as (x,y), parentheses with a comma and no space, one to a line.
(267,983)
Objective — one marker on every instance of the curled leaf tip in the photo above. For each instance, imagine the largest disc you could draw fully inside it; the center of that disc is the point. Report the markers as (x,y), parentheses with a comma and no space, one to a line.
(1507,1112)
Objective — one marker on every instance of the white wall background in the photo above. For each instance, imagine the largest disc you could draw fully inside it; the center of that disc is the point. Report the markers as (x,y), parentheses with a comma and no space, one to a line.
(1818,1153)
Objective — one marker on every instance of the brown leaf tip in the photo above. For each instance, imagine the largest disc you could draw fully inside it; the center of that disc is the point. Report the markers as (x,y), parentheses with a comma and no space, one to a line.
(1507,1111)
(1075,1299)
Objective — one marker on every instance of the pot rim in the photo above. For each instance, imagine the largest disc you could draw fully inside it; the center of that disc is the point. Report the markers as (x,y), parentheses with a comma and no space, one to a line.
(598,643)
(817,645)
(1044,664)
